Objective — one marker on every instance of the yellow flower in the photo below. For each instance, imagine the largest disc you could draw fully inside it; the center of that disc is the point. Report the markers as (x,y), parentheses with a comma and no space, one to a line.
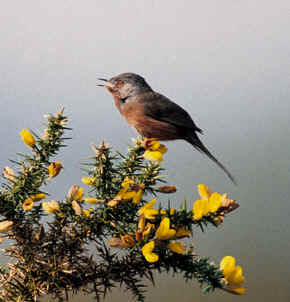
(129,191)
(75,193)
(200,209)
(171,211)
(147,252)
(209,203)
(5,226)
(113,203)
(127,195)
(164,232)
(148,229)
(54,169)
(150,213)
(204,191)
(92,200)
(181,232)
(87,212)
(27,204)
(138,196)
(127,182)
(38,196)
(148,205)
(127,240)
(233,275)
(215,202)
(141,223)
(50,207)
(176,247)
(154,151)
(9,174)
(77,208)
(27,137)
(88,180)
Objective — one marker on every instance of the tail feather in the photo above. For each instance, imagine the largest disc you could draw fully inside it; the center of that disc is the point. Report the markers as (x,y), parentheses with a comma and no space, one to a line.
(197,144)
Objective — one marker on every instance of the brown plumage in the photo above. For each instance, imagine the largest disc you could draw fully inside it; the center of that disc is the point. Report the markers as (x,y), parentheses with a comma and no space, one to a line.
(153,115)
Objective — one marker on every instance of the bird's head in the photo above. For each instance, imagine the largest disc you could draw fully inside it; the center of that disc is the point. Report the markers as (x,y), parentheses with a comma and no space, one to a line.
(126,85)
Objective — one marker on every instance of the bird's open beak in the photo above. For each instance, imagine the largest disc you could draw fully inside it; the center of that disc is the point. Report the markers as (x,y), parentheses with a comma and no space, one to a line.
(107,84)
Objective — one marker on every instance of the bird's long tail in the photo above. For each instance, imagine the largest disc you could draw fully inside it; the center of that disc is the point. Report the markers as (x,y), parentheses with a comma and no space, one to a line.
(197,144)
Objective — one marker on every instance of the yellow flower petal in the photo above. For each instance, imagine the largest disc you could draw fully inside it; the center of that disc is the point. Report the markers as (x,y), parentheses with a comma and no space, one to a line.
(27,137)
(138,196)
(204,191)
(215,202)
(154,145)
(148,205)
(171,211)
(227,265)
(50,207)
(239,290)
(200,209)
(113,203)
(151,257)
(75,193)
(127,181)
(147,252)
(128,195)
(88,180)
(141,223)
(27,204)
(233,275)
(150,213)
(148,229)
(236,277)
(92,200)
(87,212)
(54,169)
(38,196)
(77,208)
(164,232)
(153,155)
(176,247)
(182,232)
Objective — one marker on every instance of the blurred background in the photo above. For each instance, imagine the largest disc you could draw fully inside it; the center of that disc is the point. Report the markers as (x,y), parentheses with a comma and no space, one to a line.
(226,62)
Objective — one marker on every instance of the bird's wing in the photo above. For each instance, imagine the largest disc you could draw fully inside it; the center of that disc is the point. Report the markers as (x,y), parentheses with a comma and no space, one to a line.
(161,108)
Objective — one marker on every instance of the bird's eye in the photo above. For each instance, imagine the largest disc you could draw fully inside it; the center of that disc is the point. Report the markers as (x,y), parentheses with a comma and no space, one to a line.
(120,83)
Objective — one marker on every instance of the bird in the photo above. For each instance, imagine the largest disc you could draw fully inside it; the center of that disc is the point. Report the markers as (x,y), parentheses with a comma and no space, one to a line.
(153,115)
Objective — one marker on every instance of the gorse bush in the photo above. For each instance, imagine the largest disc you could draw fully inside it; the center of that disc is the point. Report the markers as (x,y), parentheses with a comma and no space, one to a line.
(112,235)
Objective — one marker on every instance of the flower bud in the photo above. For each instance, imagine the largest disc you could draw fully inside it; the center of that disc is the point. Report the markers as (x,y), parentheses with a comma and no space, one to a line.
(77,208)
(75,193)
(88,180)
(93,200)
(167,189)
(8,173)
(50,207)
(27,137)
(54,169)
(27,204)
(115,242)
(5,226)
(127,240)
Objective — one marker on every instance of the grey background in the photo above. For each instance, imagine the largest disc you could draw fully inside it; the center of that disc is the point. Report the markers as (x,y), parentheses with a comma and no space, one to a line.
(226,62)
